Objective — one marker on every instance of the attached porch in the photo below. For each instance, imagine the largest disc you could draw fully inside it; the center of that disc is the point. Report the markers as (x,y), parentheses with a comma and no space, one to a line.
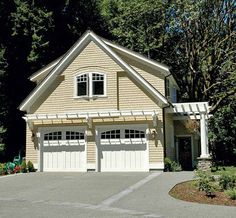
(186,134)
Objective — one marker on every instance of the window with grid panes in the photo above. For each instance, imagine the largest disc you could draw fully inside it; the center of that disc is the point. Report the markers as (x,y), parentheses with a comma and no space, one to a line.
(131,133)
(113,134)
(53,136)
(90,84)
(71,135)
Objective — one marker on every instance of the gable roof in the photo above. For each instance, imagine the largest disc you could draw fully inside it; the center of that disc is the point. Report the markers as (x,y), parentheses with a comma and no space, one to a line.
(59,66)
(165,70)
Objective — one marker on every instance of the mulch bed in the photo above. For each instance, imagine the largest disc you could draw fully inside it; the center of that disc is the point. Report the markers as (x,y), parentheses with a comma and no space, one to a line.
(188,192)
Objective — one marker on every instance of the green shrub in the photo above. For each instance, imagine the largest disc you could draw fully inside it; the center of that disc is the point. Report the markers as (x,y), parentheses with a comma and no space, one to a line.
(175,167)
(231,193)
(23,167)
(227,181)
(9,167)
(30,166)
(167,163)
(171,166)
(206,183)
(2,169)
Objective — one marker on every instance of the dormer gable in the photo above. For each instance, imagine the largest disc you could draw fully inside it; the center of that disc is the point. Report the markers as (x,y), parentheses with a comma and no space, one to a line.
(58,67)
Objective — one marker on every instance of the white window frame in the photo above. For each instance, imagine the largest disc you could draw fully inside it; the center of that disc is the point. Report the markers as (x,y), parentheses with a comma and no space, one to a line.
(90,85)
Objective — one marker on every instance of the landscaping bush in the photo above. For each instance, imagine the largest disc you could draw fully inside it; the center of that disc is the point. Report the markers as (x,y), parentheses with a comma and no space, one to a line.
(23,167)
(17,169)
(9,167)
(30,166)
(231,193)
(206,183)
(171,166)
(2,169)
(227,181)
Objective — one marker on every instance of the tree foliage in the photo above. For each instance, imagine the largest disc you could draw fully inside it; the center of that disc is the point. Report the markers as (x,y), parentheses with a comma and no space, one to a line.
(206,48)
(196,38)
(223,132)
(138,24)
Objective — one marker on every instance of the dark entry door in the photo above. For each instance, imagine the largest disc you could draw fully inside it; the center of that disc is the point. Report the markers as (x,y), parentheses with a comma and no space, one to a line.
(185,152)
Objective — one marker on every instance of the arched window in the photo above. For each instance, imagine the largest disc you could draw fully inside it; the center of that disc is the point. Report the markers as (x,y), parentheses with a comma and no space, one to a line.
(90,85)
(71,135)
(113,134)
(53,136)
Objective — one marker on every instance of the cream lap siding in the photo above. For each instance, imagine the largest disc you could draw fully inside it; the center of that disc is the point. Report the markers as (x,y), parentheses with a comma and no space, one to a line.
(61,99)
(31,151)
(91,146)
(154,77)
(132,96)
(156,149)
(169,135)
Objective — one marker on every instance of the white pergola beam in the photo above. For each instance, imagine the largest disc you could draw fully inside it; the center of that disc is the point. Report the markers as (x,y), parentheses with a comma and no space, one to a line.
(87,115)
(190,108)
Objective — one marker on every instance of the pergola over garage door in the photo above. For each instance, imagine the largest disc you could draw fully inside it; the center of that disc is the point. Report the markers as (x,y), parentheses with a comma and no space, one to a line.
(63,149)
(122,148)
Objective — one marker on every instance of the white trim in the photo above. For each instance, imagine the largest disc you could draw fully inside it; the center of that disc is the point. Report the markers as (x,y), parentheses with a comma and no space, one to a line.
(57,67)
(84,40)
(190,108)
(155,93)
(192,147)
(91,166)
(136,56)
(90,85)
(157,166)
(91,114)
(34,77)
(99,128)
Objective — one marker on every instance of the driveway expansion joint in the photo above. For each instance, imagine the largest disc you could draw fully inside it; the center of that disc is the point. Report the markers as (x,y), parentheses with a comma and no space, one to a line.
(109,201)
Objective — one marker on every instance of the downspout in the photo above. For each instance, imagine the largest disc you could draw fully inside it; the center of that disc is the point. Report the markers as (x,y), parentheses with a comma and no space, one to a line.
(163,115)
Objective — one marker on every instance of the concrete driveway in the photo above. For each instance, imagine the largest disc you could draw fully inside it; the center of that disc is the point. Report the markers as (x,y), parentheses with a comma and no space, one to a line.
(99,195)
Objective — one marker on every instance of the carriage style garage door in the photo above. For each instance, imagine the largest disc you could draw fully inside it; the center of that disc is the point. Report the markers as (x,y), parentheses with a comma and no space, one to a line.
(122,148)
(63,149)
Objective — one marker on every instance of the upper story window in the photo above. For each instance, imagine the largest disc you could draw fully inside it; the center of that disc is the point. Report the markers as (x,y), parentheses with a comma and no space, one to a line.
(90,85)
(171,92)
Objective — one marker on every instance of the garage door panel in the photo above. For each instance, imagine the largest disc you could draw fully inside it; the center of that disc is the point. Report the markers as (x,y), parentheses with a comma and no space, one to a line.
(123,147)
(64,150)
(52,161)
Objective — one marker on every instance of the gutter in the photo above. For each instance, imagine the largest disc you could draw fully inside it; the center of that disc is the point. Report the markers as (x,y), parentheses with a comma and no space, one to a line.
(163,115)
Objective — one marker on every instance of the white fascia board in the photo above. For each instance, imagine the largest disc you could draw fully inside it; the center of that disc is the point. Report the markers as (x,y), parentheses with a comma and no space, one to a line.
(45,69)
(130,71)
(137,56)
(90,36)
(44,84)
(151,63)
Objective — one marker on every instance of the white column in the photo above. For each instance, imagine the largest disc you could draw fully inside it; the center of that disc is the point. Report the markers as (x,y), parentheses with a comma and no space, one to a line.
(204,137)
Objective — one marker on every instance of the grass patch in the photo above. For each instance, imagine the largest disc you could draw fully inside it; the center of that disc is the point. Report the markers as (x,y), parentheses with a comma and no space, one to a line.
(223,169)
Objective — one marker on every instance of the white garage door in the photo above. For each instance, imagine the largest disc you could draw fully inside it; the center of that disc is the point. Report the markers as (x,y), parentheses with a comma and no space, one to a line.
(64,150)
(122,149)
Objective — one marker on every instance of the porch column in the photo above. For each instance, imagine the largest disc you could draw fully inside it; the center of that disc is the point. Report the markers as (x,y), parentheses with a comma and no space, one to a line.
(204,137)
